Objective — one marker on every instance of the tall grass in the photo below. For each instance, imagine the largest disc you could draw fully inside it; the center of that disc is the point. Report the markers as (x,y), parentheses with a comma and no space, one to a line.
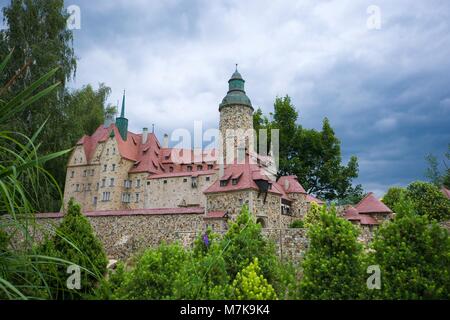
(23,179)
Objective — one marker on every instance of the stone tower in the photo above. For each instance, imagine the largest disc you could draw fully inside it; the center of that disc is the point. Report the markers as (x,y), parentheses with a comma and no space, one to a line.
(236,120)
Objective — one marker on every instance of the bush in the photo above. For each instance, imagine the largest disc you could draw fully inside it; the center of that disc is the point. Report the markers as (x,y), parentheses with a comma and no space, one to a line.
(332,268)
(414,256)
(244,242)
(312,216)
(74,243)
(297,224)
(251,285)
(429,200)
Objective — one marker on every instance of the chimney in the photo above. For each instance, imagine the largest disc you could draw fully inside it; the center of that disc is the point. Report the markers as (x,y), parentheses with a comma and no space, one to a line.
(166,141)
(144,135)
(286,184)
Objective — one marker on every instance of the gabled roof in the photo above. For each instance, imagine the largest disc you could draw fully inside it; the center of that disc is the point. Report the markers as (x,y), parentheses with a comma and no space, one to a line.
(292,184)
(370,204)
(310,198)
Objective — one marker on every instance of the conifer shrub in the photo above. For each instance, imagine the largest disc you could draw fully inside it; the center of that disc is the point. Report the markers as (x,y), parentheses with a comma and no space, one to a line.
(250,284)
(297,224)
(332,267)
(413,253)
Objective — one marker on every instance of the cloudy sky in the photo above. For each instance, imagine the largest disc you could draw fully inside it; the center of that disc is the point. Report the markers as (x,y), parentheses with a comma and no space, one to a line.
(385,90)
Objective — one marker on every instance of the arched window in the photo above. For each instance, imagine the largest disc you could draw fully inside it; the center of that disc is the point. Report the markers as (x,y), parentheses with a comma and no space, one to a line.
(262,222)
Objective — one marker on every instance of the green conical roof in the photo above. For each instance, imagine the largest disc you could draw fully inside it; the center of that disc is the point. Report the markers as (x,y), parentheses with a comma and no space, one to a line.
(236,93)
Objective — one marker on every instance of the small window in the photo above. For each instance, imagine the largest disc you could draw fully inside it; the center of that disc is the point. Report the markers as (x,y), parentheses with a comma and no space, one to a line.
(189,168)
(103,183)
(92,172)
(94,202)
(208,178)
(223,183)
(88,187)
(98,186)
(114,151)
(111,184)
(165,181)
(77,188)
(137,197)
(148,183)
(84,173)
(184,180)
(105,167)
(241,202)
(210,166)
(113,167)
(199,168)
(72,174)
(138,183)
(234,182)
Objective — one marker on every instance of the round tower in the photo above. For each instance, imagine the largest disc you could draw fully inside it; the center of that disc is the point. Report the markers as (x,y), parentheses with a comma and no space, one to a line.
(236,120)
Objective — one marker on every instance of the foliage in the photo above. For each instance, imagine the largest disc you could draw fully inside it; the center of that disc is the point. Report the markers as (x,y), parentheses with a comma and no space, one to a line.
(76,242)
(297,224)
(313,156)
(429,200)
(243,242)
(353,196)
(393,196)
(437,176)
(332,268)
(251,285)
(414,256)
(312,216)
(23,180)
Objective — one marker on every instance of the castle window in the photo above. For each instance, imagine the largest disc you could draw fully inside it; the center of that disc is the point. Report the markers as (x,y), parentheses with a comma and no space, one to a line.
(199,168)
(126,197)
(113,167)
(241,202)
(234,182)
(106,196)
(148,183)
(72,174)
(127,184)
(94,202)
(194,182)
(84,173)
(184,180)
(88,187)
(114,151)
(165,182)
(103,183)
(105,167)
(137,197)
(208,178)
(92,172)
(223,183)
(138,183)
(77,187)
(111,184)
(210,166)
(98,186)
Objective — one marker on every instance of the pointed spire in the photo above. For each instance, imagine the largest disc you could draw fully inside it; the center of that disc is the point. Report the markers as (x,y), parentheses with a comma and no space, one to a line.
(122,114)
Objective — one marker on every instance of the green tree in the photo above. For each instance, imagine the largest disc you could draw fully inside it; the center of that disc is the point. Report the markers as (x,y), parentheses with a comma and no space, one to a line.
(414,256)
(437,176)
(250,284)
(332,268)
(429,200)
(312,216)
(313,156)
(76,242)
(393,196)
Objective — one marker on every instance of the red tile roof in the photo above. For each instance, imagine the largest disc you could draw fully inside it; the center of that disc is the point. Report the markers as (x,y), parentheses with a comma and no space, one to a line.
(352,214)
(310,198)
(293,186)
(137,212)
(370,204)
(446,192)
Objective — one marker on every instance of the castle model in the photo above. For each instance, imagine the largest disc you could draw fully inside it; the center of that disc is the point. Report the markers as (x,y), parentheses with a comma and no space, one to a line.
(117,170)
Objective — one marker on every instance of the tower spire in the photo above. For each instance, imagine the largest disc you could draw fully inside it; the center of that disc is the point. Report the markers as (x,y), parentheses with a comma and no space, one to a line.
(122,114)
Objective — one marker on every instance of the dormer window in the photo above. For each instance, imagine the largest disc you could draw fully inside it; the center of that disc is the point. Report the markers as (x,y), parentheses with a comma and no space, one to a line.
(210,166)
(189,168)
(171,169)
(223,183)
(234,181)
(199,168)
